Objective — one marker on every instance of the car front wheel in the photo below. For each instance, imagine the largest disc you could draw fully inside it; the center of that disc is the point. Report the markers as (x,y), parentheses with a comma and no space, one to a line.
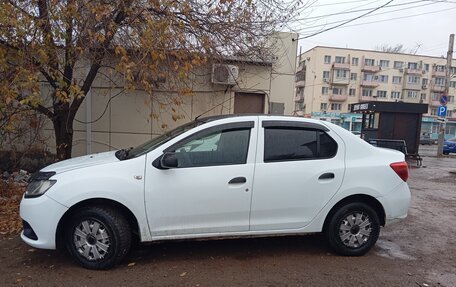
(353,229)
(98,237)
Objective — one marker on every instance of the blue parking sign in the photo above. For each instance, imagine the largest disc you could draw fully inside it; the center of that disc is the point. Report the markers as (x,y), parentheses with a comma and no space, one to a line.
(441,111)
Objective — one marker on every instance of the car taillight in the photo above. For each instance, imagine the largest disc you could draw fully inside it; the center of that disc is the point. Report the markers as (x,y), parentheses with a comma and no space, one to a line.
(401,168)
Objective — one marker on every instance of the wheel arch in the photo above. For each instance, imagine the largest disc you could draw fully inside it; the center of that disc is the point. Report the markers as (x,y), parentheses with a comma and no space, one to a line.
(125,211)
(367,199)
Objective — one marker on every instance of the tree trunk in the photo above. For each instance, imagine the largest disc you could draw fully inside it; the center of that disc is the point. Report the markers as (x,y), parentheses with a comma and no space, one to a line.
(63,128)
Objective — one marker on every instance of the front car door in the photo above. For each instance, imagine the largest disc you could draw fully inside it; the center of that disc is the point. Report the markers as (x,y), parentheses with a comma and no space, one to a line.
(210,190)
(300,166)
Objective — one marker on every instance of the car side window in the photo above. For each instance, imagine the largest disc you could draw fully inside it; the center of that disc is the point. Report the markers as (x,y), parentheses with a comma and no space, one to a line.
(222,147)
(288,143)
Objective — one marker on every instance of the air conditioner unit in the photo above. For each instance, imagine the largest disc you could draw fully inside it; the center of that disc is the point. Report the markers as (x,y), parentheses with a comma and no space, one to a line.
(424,87)
(374,96)
(375,77)
(423,71)
(225,74)
(325,80)
(401,70)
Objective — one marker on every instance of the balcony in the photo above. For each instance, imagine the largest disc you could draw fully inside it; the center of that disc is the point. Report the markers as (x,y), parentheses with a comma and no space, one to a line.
(299,99)
(345,66)
(369,83)
(436,88)
(338,98)
(371,69)
(340,81)
(434,103)
(412,86)
(367,99)
(300,84)
(413,71)
(439,73)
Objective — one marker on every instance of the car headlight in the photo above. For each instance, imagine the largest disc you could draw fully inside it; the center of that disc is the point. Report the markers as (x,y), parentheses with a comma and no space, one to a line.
(39,184)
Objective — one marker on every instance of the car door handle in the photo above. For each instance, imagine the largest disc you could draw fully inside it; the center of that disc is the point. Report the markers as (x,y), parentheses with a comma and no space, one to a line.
(328,175)
(240,179)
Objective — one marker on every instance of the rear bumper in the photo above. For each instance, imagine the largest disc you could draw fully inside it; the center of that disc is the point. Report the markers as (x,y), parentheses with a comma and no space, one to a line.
(42,214)
(396,203)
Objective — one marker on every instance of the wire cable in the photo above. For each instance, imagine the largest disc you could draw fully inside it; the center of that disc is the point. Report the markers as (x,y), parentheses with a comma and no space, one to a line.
(346,22)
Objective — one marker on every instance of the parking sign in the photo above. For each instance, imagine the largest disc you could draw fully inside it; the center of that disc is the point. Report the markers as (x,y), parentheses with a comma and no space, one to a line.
(441,111)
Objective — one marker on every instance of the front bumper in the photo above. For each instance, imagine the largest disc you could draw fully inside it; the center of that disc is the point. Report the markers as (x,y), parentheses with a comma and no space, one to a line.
(43,215)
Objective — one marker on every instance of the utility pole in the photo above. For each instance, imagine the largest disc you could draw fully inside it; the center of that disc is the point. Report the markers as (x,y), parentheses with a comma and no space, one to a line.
(441,138)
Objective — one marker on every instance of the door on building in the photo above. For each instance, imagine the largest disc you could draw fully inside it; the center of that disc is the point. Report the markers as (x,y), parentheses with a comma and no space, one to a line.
(248,103)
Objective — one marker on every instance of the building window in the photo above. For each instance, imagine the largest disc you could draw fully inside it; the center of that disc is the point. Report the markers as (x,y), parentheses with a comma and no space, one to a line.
(352,92)
(395,95)
(367,92)
(439,81)
(340,73)
(324,90)
(413,79)
(439,68)
(337,91)
(327,59)
(383,78)
(424,82)
(426,67)
(381,94)
(335,107)
(397,79)
(353,76)
(384,63)
(412,94)
(323,107)
(451,99)
(368,77)
(449,114)
(423,96)
(398,65)
(355,61)
(433,112)
(369,62)
(453,84)
(326,75)
(413,65)
(435,96)
(340,60)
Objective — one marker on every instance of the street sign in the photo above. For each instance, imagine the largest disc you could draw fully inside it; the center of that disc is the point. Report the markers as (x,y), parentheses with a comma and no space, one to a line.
(441,111)
(443,100)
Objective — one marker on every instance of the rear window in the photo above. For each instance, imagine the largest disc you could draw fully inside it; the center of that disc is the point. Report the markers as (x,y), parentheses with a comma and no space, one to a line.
(287,144)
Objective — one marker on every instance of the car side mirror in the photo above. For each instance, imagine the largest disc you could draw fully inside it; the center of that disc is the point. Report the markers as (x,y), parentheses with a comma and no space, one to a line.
(168,160)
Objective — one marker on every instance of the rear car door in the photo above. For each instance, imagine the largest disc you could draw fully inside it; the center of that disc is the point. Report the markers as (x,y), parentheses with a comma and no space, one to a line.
(300,166)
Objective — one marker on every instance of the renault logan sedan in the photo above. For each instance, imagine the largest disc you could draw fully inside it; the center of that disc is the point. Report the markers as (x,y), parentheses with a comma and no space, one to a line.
(231,176)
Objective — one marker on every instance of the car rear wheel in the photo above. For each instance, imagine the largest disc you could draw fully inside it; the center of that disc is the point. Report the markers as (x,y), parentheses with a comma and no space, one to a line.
(353,229)
(98,237)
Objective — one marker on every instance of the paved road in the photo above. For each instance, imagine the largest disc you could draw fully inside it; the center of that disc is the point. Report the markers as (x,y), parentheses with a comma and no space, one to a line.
(420,251)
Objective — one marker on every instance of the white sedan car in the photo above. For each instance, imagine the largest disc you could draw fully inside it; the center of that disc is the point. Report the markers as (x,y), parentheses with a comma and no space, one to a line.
(227,176)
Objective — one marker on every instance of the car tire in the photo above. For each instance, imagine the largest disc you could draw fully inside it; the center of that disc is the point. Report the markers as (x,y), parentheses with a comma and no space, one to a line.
(353,229)
(446,153)
(98,237)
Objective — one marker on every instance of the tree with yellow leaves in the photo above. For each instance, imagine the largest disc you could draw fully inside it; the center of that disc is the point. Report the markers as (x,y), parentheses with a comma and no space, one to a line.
(50,40)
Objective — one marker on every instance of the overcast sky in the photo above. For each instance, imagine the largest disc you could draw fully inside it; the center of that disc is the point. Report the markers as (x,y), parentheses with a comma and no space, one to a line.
(424,26)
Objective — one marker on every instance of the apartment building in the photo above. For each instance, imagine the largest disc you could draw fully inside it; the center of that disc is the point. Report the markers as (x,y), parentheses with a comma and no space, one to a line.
(329,80)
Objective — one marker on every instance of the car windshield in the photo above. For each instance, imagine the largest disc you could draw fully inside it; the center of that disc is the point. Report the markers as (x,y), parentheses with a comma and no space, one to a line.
(154,143)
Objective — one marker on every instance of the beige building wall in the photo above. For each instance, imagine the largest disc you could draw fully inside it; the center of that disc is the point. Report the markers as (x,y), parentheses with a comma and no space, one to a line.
(111,118)
(313,90)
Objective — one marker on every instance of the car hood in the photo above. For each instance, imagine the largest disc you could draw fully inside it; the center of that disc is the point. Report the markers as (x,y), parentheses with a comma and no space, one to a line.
(82,161)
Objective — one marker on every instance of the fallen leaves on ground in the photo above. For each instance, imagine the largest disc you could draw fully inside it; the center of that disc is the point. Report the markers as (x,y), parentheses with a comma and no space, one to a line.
(10,198)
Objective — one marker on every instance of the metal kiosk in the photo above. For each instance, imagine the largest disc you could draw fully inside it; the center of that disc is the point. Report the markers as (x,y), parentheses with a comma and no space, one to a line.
(394,125)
